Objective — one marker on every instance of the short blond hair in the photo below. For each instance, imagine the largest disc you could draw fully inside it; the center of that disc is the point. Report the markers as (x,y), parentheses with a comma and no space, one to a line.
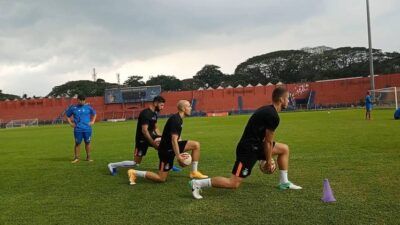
(181,104)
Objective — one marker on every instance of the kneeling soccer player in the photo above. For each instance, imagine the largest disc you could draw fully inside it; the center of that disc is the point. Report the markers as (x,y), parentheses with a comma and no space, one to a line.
(170,147)
(257,143)
(146,135)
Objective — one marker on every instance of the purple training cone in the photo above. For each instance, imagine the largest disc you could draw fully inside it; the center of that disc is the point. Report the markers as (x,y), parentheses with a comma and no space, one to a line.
(328,194)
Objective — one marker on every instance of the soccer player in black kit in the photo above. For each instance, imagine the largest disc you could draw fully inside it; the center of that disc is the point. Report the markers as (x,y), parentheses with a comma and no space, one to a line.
(257,143)
(170,147)
(147,135)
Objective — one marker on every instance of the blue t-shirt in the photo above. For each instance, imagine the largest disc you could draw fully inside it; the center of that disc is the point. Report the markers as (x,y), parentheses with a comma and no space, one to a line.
(82,115)
(368,102)
(397,114)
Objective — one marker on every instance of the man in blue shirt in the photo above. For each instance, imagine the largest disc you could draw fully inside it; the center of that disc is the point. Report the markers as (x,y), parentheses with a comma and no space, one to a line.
(368,106)
(84,117)
(397,114)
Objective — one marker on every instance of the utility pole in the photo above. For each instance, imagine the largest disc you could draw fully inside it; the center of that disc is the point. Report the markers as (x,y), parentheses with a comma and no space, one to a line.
(371,59)
(94,76)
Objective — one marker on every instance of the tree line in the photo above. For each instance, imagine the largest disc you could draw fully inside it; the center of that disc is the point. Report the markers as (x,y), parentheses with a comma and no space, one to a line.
(287,66)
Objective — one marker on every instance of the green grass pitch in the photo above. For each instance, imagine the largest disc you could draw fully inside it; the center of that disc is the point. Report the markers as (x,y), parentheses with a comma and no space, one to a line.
(360,158)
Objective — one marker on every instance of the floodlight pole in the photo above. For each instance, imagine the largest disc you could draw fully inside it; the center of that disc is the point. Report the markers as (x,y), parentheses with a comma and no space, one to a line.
(94,75)
(371,60)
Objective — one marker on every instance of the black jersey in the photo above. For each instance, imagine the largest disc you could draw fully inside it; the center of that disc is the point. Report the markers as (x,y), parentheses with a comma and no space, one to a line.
(173,126)
(263,118)
(146,116)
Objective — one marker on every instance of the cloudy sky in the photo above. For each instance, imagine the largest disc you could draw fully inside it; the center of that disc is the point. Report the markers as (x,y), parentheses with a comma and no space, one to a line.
(46,43)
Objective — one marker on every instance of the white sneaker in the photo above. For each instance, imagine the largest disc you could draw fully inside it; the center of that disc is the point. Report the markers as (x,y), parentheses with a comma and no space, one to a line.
(112,170)
(294,187)
(289,185)
(195,189)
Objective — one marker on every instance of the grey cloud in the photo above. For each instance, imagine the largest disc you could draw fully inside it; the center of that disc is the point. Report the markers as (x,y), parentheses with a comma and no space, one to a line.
(101,31)
(71,37)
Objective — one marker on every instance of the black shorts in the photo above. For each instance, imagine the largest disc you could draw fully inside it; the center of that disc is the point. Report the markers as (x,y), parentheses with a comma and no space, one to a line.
(141,146)
(246,157)
(167,158)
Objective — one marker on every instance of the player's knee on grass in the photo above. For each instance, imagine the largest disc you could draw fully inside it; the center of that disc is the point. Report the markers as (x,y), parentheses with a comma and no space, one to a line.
(162,177)
(162,180)
(236,185)
(235,182)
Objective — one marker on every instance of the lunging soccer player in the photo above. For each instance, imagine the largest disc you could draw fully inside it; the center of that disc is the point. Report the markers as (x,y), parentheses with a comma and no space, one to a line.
(170,147)
(147,134)
(257,143)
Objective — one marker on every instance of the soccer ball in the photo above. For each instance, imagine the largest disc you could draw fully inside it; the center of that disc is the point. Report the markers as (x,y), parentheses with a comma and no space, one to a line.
(263,166)
(157,140)
(187,158)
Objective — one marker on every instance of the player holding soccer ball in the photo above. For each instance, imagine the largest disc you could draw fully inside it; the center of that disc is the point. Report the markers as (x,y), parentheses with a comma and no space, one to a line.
(170,147)
(257,143)
(147,134)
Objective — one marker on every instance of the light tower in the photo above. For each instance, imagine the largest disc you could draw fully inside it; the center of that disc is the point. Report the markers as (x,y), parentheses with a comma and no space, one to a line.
(371,59)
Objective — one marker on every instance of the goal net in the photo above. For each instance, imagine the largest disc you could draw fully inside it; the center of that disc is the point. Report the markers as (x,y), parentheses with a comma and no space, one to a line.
(386,97)
(22,123)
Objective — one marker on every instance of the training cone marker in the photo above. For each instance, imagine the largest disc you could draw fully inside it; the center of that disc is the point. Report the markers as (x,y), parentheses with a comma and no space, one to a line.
(327,195)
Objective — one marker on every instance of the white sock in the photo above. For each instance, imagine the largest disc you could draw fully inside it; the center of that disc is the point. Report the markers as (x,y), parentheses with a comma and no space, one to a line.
(123,164)
(194,166)
(283,176)
(140,173)
(203,182)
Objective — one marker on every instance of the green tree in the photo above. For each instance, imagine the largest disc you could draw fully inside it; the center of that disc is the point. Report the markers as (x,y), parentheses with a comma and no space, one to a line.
(134,81)
(252,76)
(210,75)
(85,87)
(291,66)
(168,83)
(192,84)
(4,96)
